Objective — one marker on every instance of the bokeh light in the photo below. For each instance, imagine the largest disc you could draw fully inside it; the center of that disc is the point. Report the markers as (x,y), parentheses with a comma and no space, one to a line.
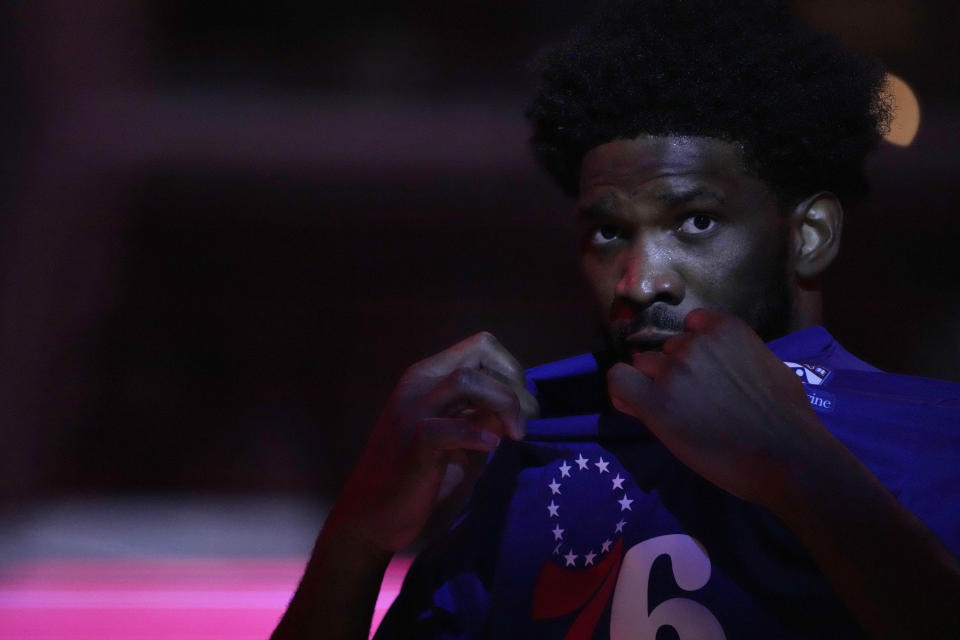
(906,112)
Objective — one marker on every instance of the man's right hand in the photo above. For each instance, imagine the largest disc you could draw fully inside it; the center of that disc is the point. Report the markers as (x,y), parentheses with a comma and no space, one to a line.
(431,441)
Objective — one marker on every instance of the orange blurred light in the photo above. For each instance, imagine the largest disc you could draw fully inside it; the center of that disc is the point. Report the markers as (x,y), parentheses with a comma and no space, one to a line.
(906,112)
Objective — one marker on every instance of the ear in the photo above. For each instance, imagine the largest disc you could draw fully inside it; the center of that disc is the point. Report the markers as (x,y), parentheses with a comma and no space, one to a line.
(817,223)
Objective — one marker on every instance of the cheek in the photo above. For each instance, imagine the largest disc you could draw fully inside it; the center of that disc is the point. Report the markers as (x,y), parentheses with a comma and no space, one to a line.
(737,276)
(601,275)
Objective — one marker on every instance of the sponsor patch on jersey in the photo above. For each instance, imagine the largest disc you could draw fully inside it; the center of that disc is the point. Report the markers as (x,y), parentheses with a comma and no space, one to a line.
(821,400)
(811,374)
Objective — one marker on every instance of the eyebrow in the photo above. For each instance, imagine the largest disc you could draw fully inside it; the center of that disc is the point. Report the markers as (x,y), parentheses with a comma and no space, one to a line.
(598,209)
(677,197)
(669,197)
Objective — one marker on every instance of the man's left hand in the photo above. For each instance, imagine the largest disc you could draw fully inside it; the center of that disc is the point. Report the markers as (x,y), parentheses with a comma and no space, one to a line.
(725,406)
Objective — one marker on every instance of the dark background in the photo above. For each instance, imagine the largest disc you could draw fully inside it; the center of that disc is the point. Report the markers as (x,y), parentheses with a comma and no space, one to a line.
(228,227)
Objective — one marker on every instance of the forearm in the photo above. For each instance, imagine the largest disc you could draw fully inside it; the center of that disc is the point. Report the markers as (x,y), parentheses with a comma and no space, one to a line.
(891,571)
(336,597)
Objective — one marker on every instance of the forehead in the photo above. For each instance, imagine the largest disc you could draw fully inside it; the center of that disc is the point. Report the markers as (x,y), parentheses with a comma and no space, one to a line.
(658,162)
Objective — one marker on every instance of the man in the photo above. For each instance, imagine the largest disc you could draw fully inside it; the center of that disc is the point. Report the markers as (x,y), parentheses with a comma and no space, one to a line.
(686,481)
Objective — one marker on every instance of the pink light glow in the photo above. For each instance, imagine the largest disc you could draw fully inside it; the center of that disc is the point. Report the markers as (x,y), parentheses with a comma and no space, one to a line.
(147,599)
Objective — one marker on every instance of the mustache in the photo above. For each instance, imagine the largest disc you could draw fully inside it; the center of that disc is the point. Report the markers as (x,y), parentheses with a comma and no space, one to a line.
(657,317)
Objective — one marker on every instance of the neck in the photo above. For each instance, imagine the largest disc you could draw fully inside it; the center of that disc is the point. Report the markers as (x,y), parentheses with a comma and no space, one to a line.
(807,306)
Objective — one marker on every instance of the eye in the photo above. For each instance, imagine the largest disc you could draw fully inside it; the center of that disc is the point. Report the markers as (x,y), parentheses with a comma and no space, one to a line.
(605,234)
(697,224)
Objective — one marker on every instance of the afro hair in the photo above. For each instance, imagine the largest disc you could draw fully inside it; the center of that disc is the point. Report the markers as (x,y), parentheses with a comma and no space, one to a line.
(805,109)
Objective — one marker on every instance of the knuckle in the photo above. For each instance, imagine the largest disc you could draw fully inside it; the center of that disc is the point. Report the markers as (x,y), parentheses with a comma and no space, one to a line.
(700,317)
(463,376)
(510,404)
(507,406)
(414,370)
(485,339)
(516,373)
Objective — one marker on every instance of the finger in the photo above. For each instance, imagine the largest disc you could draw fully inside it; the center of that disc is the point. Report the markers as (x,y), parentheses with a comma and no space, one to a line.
(702,319)
(529,407)
(678,343)
(464,466)
(650,363)
(485,352)
(482,419)
(440,435)
(630,390)
(493,358)
(468,388)
(480,348)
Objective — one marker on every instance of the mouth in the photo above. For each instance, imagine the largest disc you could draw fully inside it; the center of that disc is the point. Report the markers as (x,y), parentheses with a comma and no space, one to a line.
(636,330)
(647,339)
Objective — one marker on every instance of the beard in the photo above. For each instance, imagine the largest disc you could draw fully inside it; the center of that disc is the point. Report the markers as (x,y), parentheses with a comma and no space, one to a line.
(772,318)
(659,316)
(768,311)
(772,314)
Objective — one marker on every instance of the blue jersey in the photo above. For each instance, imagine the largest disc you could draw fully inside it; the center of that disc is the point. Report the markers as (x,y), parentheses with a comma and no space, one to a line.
(590,528)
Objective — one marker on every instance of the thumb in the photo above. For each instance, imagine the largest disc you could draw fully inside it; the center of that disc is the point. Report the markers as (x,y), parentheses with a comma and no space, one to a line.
(629,389)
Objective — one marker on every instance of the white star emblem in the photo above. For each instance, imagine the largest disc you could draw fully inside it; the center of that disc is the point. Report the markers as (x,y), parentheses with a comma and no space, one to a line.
(583,462)
(618,482)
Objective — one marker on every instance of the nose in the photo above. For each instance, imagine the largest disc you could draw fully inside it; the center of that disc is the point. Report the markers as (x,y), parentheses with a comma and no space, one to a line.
(649,276)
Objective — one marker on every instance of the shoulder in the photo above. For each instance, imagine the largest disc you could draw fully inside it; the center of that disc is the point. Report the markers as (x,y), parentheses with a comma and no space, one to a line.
(905,429)
(822,363)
